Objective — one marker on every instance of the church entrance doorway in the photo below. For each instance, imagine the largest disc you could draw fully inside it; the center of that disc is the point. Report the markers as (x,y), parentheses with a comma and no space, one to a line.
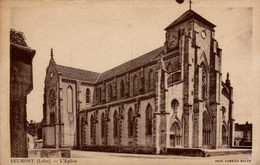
(175,135)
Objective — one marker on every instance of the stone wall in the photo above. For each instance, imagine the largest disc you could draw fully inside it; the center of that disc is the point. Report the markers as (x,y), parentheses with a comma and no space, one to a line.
(21,84)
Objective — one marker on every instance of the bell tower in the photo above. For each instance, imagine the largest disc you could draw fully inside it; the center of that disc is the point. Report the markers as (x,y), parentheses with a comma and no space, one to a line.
(193,37)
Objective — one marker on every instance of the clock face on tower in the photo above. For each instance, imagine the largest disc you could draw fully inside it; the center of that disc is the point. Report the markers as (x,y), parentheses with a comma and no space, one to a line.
(52,98)
(203,34)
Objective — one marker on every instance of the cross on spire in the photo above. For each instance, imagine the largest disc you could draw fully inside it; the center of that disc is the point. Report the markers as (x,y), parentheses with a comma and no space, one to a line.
(190,4)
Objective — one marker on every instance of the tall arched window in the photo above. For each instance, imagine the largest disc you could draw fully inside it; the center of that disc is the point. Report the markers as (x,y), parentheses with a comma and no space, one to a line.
(122,88)
(130,122)
(135,85)
(87,95)
(206,128)
(224,135)
(69,99)
(92,129)
(151,81)
(103,125)
(115,120)
(83,131)
(170,70)
(149,119)
(110,91)
(204,83)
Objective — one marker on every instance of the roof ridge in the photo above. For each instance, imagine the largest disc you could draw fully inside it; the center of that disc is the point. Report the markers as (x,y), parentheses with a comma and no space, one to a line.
(77,68)
(127,62)
(186,15)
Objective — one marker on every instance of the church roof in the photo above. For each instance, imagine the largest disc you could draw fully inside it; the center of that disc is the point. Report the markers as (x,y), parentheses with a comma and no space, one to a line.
(130,65)
(94,77)
(190,14)
(78,74)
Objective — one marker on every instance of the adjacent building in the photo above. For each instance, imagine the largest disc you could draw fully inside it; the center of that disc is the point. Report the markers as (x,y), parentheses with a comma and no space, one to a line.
(170,97)
(243,134)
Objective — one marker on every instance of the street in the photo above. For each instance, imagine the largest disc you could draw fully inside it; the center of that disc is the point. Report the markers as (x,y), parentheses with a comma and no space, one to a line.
(114,158)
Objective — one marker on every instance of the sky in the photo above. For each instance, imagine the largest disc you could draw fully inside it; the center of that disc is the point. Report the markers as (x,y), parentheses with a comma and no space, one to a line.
(99,35)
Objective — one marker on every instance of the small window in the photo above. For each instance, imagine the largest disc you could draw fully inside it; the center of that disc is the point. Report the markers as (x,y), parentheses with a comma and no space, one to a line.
(98,94)
(87,95)
(174,105)
(110,91)
(151,81)
(135,86)
(122,88)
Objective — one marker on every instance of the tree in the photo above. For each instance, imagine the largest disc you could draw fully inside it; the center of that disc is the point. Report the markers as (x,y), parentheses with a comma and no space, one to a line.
(17,37)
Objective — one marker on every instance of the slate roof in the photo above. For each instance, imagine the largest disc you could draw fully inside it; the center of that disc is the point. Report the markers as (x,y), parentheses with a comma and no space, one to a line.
(190,14)
(78,74)
(94,77)
(130,65)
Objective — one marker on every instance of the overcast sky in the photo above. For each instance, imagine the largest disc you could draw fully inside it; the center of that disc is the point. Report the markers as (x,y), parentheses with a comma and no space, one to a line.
(97,36)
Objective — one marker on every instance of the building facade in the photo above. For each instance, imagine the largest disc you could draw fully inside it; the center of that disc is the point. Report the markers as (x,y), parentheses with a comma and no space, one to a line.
(243,134)
(171,97)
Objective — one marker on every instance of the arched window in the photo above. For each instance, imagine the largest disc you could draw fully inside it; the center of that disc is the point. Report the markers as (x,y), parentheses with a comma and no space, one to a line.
(135,85)
(87,95)
(149,119)
(224,135)
(122,88)
(69,99)
(151,81)
(169,68)
(83,131)
(206,128)
(110,91)
(204,83)
(130,122)
(223,109)
(115,120)
(92,129)
(103,125)
(174,105)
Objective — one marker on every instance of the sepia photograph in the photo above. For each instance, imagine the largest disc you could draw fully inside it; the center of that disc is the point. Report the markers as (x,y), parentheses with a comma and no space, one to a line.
(129,82)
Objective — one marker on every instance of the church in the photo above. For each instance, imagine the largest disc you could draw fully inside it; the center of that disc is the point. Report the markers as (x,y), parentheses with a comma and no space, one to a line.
(170,97)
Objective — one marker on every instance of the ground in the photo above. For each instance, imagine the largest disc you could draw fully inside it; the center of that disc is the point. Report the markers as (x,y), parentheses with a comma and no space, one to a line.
(114,158)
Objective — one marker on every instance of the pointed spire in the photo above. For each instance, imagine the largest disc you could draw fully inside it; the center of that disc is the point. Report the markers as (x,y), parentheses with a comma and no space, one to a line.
(227,80)
(51,53)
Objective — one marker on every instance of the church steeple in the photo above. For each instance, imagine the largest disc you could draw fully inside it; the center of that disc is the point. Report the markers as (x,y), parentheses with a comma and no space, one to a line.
(51,53)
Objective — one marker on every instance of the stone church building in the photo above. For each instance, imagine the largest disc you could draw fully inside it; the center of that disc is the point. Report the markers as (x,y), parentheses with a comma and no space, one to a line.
(170,97)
